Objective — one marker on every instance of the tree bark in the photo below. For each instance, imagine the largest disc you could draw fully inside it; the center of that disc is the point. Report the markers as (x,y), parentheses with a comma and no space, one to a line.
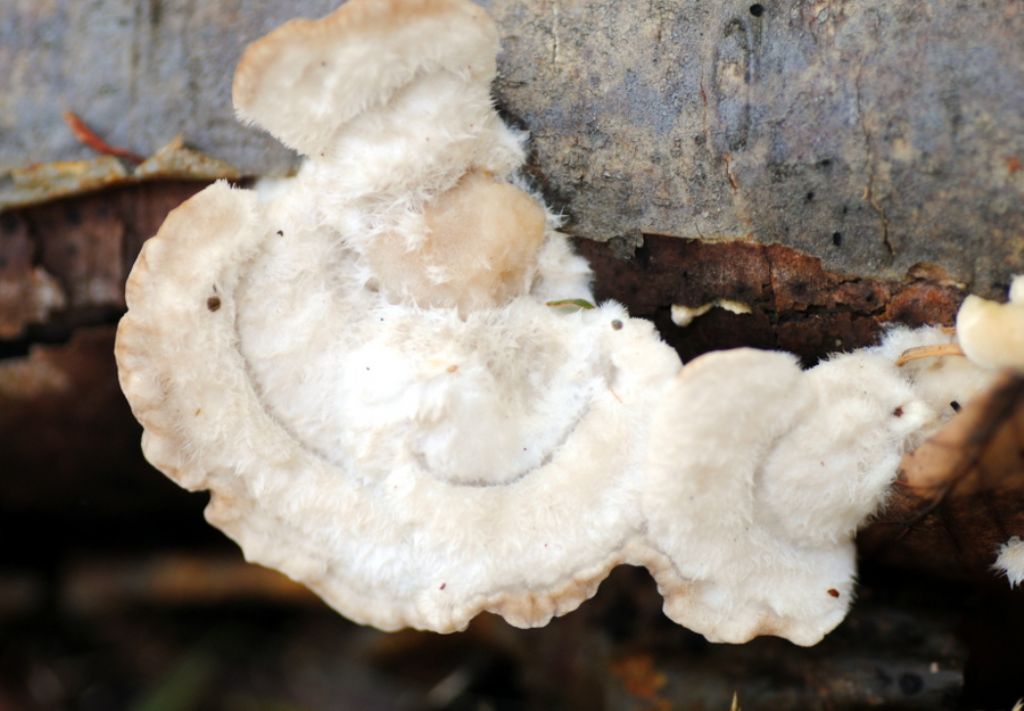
(875,135)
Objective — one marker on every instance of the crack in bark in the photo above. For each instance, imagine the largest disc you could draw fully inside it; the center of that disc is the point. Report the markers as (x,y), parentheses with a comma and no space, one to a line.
(869,188)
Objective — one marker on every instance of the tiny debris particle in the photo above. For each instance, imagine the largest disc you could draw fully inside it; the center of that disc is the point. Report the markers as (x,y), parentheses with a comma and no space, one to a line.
(898,412)
(453,368)
(617,325)
(443,586)
(955,405)
(213,303)
(833,592)
(280,233)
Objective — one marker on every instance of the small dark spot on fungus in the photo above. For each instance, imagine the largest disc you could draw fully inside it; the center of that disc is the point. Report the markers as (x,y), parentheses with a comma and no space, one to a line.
(809,196)
(955,405)
(837,238)
(617,325)
(280,233)
(757,9)
(910,684)
(213,303)
(898,412)
(443,586)
(833,592)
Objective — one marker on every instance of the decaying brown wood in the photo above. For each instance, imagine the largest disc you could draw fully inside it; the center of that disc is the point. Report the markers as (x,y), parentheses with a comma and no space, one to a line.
(960,495)
(795,304)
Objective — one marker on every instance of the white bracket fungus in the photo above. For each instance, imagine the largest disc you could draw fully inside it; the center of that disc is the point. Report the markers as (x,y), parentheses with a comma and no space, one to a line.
(364,368)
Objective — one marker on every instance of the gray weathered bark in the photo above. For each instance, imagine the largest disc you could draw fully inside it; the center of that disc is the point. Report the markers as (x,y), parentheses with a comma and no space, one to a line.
(874,134)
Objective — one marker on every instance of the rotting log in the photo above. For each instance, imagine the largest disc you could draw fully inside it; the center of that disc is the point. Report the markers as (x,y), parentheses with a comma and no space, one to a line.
(875,135)
(835,166)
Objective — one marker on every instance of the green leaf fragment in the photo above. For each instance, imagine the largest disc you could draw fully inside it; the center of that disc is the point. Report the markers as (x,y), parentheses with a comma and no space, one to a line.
(573,304)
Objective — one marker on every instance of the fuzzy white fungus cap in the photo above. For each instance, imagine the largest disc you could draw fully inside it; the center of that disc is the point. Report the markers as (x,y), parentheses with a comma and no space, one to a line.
(992,334)
(364,367)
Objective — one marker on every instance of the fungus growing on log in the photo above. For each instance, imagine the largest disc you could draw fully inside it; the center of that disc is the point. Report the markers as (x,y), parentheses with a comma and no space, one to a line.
(363,367)
(373,370)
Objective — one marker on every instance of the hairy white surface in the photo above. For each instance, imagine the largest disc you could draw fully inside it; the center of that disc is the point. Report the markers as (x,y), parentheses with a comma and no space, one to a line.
(944,383)
(764,509)
(361,365)
(1010,561)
